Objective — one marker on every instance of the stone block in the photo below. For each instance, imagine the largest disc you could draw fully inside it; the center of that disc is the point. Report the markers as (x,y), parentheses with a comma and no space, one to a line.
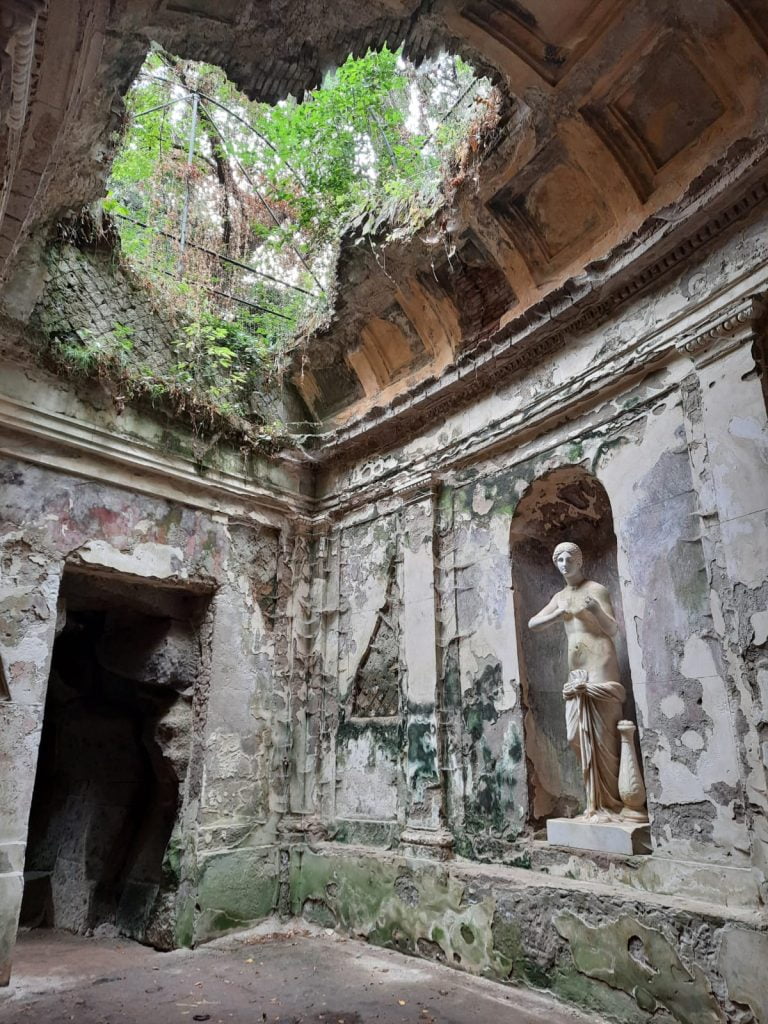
(609,837)
(237,889)
(11,886)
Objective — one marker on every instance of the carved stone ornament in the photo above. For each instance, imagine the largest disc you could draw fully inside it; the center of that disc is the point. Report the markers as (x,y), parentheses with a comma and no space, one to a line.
(731,328)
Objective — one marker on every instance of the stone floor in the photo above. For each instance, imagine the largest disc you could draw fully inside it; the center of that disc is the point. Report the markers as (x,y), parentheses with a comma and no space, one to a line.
(293,977)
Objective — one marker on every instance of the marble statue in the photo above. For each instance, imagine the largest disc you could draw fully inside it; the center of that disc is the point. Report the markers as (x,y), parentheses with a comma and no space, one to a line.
(593,695)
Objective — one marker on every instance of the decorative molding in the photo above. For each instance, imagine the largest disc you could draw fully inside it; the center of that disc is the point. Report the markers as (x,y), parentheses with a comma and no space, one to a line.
(551,51)
(541,331)
(540,196)
(733,328)
(62,442)
(23,54)
(625,109)
(755,16)
(18,26)
(16,16)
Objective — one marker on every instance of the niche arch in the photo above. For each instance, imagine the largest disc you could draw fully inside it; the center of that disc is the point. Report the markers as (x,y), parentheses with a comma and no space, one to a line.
(565,504)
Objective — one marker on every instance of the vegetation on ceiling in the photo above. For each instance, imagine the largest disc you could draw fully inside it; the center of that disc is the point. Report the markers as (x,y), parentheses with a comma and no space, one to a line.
(230,212)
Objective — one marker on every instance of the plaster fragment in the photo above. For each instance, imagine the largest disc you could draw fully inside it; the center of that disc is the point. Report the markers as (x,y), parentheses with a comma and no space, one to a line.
(692,740)
(748,429)
(697,661)
(640,961)
(672,705)
(740,952)
(481,504)
(716,607)
(760,625)
(158,561)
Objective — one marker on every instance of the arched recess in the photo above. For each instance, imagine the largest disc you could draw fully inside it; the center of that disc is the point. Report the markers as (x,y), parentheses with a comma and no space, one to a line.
(566,504)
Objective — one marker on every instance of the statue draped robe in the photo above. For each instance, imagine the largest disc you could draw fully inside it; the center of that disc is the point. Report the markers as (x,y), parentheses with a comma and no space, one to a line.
(591,720)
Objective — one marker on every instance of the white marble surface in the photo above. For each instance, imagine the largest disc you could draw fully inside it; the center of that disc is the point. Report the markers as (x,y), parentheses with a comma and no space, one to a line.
(611,837)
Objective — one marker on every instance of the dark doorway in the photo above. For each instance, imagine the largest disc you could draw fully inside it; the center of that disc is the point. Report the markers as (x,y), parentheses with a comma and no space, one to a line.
(104,847)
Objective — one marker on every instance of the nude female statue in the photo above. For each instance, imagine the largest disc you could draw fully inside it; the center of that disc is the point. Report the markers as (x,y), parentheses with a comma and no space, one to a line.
(593,695)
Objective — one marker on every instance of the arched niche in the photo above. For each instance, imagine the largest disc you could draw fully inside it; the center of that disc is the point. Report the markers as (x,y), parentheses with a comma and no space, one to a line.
(565,504)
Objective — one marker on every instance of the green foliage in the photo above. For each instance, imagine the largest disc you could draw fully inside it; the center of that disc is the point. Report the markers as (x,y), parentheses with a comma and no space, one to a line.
(271,189)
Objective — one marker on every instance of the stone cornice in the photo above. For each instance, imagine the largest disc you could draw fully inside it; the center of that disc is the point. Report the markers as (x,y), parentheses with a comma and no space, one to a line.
(60,441)
(706,331)
(702,331)
(722,321)
(735,326)
(542,331)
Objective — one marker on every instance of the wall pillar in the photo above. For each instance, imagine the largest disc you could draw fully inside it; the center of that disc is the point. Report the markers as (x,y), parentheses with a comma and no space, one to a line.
(424,829)
(28,594)
(728,441)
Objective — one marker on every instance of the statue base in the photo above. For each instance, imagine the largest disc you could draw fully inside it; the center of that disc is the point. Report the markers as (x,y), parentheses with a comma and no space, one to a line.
(602,837)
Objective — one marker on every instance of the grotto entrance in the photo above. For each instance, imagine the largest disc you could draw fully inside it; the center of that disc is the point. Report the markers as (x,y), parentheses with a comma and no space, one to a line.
(114,756)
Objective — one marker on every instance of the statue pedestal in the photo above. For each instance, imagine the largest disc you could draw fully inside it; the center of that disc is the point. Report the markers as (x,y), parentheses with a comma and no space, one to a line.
(609,837)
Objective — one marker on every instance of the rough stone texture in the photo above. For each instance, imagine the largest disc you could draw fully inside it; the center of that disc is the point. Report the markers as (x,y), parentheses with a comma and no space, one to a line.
(104,834)
(88,297)
(619,957)
(142,546)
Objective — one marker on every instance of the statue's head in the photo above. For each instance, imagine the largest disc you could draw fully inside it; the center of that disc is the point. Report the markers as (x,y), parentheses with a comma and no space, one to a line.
(568,558)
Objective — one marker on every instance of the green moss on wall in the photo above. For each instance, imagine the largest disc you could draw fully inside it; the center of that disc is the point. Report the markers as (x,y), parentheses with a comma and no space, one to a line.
(236,889)
(641,962)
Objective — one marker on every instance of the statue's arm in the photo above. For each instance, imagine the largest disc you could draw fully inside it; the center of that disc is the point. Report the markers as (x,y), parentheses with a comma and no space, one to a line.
(599,603)
(551,613)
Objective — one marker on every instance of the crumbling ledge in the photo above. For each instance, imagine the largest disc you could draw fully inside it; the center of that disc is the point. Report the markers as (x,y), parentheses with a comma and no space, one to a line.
(606,948)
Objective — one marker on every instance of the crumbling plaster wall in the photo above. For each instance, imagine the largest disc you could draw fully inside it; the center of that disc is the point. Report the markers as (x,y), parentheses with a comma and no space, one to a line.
(663,405)
(379,594)
(234,788)
(679,448)
(637,447)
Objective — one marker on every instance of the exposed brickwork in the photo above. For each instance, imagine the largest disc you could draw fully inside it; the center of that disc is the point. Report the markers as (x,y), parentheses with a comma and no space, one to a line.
(91,297)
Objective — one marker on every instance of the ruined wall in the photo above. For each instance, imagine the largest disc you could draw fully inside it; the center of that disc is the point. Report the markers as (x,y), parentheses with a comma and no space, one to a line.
(89,296)
(106,823)
(638,447)
(651,428)
(645,440)
(233,781)
(364,674)
(370,681)
(93,317)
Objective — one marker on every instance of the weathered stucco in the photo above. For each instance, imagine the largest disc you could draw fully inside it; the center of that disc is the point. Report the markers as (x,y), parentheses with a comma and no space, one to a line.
(358,726)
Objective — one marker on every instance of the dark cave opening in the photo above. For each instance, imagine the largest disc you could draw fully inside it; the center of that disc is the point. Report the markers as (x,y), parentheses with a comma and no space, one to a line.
(113,759)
